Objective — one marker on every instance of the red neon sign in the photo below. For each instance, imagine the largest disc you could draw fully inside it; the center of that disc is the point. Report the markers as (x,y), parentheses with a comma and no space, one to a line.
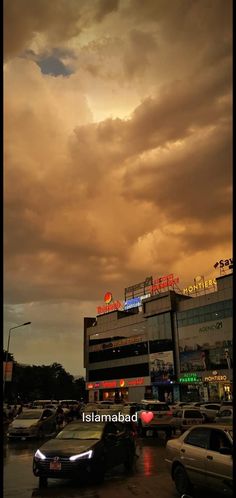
(109,384)
(109,307)
(135,382)
(163,282)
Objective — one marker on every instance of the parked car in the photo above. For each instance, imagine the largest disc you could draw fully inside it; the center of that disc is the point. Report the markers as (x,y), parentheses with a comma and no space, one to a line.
(186,417)
(225,416)
(35,423)
(209,411)
(202,456)
(84,450)
(158,421)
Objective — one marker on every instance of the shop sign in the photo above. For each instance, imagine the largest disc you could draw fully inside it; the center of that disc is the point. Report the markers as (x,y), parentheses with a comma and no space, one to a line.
(217,325)
(135,382)
(192,377)
(216,378)
(224,263)
(121,342)
(113,384)
(196,287)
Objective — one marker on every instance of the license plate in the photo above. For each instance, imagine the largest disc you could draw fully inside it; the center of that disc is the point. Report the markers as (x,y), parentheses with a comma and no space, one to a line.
(55,466)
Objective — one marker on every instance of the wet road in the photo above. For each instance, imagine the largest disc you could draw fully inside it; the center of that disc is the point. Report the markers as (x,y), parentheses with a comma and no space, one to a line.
(150,477)
(150,474)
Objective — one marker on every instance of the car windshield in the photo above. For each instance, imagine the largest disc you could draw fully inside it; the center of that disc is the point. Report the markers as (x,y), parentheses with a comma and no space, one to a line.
(81,431)
(31,414)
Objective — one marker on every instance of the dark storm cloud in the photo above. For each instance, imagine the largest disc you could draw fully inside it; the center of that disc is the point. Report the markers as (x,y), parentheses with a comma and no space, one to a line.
(54,66)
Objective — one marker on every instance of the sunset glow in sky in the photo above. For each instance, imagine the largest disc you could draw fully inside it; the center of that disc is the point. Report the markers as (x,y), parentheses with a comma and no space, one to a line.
(117,152)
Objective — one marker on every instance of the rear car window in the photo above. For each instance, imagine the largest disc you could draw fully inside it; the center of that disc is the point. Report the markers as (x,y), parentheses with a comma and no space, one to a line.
(192,414)
(157,407)
(198,437)
(225,413)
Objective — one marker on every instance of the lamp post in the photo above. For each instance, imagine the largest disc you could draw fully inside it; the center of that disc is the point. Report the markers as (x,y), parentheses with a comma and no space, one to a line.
(8,345)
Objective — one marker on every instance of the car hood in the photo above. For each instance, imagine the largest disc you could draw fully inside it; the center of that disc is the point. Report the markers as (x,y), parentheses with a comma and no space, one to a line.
(16,424)
(67,447)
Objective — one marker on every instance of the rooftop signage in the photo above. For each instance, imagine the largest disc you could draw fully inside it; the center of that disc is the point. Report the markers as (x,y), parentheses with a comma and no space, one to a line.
(112,306)
(164,282)
(138,289)
(224,263)
(199,285)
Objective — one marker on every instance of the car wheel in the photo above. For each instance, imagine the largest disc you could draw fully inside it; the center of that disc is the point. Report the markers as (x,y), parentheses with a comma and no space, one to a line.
(43,482)
(181,479)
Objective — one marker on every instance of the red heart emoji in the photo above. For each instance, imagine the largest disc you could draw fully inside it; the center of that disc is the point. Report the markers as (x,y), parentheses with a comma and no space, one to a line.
(147,417)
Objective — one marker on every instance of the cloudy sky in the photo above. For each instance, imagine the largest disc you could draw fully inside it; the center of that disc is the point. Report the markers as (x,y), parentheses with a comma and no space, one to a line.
(117,150)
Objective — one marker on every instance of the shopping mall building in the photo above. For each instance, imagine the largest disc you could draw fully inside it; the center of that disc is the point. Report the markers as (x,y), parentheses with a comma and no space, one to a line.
(161,342)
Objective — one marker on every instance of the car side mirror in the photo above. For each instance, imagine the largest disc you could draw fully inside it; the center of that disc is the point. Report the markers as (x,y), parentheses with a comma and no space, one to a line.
(226,451)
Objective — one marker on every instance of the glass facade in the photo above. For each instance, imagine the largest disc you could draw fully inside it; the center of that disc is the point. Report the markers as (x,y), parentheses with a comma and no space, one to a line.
(119,352)
(124,371)
(213,311)
(159,327)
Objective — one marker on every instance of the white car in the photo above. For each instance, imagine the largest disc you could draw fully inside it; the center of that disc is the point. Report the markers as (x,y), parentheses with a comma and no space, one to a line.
(185,417)
(225,416)
(159,420)
(202,457)
(209,411)
(34,423)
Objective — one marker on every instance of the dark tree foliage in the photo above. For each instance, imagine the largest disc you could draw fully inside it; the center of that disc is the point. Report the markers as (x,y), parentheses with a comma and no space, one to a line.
(43,382)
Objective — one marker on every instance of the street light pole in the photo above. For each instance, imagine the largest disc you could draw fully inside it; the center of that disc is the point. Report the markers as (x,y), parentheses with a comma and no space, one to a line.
(8,346)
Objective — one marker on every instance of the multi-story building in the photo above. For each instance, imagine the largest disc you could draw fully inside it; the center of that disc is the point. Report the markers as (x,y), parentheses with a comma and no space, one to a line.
(161,343)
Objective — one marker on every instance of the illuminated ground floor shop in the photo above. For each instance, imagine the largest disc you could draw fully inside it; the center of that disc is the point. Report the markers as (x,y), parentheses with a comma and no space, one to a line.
(119,390)
(211,386)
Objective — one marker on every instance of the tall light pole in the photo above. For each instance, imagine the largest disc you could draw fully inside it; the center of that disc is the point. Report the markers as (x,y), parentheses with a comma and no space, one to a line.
(8,345)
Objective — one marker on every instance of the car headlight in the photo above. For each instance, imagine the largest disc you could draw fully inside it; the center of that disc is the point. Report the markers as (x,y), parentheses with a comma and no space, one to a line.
(87,454)
(39,455)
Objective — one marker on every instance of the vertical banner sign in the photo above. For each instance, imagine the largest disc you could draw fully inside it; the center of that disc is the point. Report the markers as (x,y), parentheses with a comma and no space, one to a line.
(7,370)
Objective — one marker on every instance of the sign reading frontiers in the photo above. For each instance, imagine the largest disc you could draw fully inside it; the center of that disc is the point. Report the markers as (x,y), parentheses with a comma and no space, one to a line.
(115,384)
(199,286)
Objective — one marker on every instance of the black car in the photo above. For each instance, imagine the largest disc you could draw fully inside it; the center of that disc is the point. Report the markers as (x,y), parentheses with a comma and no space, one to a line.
(85,449)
